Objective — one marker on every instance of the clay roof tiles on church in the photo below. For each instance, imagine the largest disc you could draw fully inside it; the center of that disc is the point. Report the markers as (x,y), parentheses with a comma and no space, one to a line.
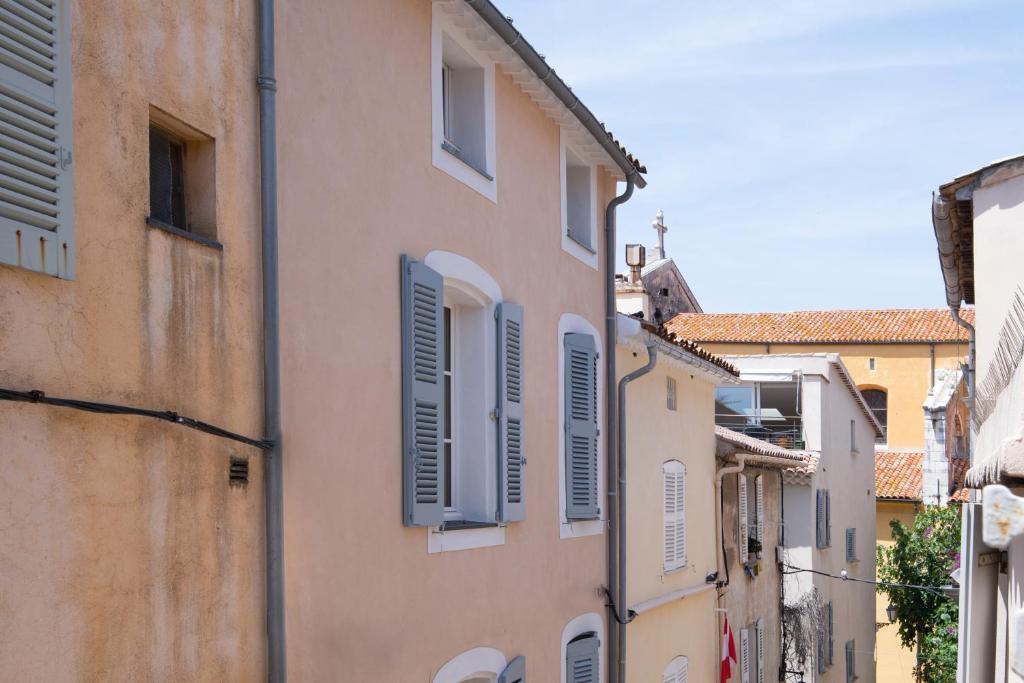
(883,326)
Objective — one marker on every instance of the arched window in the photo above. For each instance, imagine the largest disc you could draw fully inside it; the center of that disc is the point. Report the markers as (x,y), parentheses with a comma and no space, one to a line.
(959,439)
(479,665)
(677,671)
(878,401)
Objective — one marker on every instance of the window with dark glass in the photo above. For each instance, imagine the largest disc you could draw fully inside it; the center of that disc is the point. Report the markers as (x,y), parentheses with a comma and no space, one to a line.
(167,178)
(878,402)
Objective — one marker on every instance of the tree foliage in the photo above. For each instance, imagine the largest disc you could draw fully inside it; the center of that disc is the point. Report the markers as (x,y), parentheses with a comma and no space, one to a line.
(924,555)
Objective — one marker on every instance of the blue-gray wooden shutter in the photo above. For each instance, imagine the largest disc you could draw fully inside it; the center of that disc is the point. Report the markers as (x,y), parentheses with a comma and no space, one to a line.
(819,519)
(511,494)
(581,427)
(515,672)
(851,661)
(422,394)
(828,519)
(831,634)
(36,183)
(851,544)
(581,660)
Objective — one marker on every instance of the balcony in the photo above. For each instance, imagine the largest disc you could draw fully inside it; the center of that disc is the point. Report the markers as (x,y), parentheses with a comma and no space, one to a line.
(766,424)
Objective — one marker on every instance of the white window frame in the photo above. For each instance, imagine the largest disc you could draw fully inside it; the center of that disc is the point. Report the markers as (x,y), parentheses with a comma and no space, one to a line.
(472,281)
(480,661)
(585,623)
(569,245)
(570,323)
(674,467)
(442,27)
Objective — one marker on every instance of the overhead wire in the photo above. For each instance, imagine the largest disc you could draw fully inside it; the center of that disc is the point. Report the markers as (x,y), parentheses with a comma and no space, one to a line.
(36,396)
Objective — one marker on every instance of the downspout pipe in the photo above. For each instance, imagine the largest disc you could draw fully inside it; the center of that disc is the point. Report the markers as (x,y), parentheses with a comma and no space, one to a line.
(266,85)
(723,570)
(620,594)
(610,337)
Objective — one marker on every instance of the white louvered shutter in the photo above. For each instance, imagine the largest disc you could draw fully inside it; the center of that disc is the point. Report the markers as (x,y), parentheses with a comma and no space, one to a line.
(677,671)
(745,655)
(674,476)
(741,517)
(759,508)
(759,630)
(36,183)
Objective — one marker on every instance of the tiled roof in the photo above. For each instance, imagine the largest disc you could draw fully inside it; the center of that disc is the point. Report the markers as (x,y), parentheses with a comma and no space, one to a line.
(749,444)
(957,474)
(689,347)
(898,475)
(904,325)
(803,475)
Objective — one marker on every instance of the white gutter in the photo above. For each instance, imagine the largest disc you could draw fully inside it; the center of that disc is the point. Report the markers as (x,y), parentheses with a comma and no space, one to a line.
(681,594)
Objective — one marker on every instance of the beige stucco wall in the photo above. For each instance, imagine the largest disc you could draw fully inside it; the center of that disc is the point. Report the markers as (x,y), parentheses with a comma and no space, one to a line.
(125,555)
(895,662)
(656,435)
(366,602)
(748,599)
(903,370)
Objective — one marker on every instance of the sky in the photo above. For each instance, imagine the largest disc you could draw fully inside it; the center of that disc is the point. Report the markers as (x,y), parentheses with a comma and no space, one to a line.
(794,145)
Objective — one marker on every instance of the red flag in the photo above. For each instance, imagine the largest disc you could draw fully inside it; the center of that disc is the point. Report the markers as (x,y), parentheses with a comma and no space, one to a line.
(728,651)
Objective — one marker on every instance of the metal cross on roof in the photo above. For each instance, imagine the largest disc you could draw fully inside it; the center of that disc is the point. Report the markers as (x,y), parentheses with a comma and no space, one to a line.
(659,226)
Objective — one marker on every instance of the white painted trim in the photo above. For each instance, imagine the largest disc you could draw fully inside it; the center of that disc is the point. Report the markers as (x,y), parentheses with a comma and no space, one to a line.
(452,266)
(463,539)
(569,245)
(469,278)
(441,24)
(585,623)
(571,323)
(480,661)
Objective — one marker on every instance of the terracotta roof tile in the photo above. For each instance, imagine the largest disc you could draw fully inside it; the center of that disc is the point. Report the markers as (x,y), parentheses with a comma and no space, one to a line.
(690,347)
(898,475)
(749,444)
(906,325)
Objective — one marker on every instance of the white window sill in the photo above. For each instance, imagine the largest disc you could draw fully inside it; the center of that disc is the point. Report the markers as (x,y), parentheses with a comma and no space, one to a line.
(439,541)
(457,168)
(580,528)
(584,254)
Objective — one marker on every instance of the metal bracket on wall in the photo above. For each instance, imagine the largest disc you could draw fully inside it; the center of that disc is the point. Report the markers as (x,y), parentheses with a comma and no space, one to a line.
(1002,516)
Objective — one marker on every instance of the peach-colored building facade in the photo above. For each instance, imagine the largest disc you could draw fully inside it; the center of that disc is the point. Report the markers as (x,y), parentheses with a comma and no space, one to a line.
(126,555)
(369,175)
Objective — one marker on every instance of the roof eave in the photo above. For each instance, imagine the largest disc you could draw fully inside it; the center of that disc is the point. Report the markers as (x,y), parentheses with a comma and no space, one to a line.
(500,24)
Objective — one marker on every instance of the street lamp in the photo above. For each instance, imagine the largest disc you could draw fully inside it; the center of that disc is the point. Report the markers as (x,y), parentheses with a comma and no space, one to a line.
(890,612)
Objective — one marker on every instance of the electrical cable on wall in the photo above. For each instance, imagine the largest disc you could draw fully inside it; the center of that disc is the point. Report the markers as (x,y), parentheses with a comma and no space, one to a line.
(36,396)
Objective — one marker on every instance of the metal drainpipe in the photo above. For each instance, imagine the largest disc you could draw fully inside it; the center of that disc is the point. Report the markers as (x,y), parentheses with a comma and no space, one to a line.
(620,598)
(610,336)
(273,472)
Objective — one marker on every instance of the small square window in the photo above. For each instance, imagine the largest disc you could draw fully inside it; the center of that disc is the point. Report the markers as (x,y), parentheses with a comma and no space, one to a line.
(579,215)
(182,183)
(463,110)
(871,364)
(671,391)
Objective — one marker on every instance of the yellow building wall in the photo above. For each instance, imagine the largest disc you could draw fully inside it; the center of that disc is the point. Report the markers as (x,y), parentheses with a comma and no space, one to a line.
(894,662)
(903,370)
(654,435)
